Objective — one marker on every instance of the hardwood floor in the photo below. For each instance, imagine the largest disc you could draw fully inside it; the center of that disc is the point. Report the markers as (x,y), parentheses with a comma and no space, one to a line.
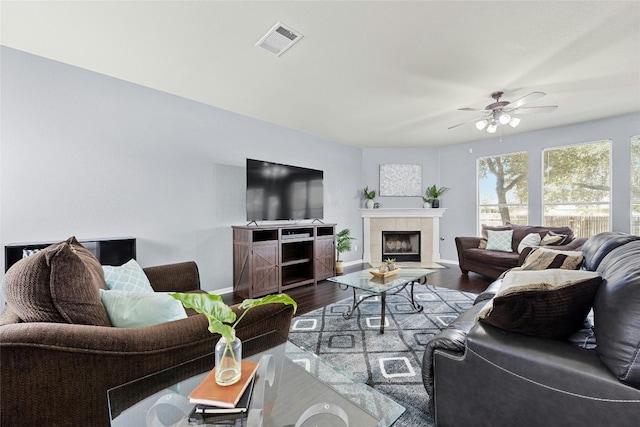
(313,297)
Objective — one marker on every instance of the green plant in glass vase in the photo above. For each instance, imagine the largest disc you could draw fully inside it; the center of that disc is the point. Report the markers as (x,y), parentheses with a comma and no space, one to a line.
(223,320)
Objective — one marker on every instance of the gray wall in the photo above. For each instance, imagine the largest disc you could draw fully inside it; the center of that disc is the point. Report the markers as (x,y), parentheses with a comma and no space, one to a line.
(88,155)
(455,167)
(373,158)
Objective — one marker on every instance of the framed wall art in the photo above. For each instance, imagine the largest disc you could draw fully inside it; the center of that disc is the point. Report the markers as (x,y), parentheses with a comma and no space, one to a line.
(400,180)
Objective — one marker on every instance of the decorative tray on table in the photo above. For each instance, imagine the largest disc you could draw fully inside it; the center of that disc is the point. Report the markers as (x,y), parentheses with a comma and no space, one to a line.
(377,273)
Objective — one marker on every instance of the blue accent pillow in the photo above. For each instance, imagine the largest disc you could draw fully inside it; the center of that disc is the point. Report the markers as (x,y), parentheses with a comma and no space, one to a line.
(499,240)
(137,310)
(128,277)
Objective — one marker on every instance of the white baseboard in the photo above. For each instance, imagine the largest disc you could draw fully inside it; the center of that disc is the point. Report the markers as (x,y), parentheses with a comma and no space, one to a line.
(223,291)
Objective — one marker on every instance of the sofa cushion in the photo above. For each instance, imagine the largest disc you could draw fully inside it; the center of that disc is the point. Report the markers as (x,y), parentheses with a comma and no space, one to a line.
(139,309)
(544,258)
(530,240)
(504,260)
(58,284)
(548,303)
(616,310)
(499,240)
(127,277)
(520,231)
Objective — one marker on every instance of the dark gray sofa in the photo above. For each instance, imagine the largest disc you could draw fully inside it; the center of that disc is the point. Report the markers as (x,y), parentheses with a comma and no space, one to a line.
(478,374)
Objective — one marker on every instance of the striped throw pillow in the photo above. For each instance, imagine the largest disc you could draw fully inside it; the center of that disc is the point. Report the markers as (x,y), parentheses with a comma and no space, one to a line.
(544,259)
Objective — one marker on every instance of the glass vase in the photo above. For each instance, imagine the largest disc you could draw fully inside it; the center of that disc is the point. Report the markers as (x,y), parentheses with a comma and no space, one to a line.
(228,361)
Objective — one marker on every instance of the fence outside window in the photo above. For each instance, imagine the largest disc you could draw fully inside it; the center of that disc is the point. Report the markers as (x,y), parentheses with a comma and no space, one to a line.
(582,226)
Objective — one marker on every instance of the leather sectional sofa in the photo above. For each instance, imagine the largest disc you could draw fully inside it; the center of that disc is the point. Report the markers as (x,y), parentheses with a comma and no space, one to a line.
(478,374)
(491,263)
(56,373)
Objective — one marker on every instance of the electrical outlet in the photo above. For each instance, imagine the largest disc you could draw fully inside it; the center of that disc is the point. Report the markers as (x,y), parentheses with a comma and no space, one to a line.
(355,248)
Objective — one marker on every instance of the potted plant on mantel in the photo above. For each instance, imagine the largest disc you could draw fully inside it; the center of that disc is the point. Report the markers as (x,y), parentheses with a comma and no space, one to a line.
(343,244)
(369,195)
(432,194)
(222,320)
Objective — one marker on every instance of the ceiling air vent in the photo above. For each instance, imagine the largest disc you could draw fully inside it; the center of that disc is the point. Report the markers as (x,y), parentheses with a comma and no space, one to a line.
(279,39)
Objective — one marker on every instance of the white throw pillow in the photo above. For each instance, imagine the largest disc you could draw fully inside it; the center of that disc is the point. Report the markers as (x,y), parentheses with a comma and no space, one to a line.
(128,277)
(137,310)
(499,240)
(531,239)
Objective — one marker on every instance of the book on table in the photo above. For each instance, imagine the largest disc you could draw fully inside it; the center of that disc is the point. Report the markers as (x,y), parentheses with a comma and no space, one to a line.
(237,418)
(241,406)
(210,393)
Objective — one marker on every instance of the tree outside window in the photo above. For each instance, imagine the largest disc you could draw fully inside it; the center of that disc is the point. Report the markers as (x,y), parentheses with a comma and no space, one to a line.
(502,189)
(577,187)
(635,185)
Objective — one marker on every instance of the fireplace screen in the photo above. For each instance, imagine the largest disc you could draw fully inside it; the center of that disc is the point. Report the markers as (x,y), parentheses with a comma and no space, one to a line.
(401,245)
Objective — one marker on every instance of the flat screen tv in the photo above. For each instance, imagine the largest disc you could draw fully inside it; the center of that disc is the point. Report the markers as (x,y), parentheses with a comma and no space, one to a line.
(282,192)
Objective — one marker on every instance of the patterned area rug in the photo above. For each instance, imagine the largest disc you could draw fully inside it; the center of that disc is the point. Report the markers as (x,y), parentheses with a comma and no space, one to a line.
(390,362)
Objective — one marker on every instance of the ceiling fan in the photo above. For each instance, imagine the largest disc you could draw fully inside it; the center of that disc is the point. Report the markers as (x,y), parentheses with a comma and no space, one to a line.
(505,112)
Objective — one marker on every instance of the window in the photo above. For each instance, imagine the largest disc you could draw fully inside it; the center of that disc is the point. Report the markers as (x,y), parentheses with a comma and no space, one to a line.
(576,187)
(502,189)
(635,185)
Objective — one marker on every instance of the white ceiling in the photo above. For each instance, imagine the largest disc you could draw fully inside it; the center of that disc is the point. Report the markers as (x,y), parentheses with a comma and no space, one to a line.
(366,73)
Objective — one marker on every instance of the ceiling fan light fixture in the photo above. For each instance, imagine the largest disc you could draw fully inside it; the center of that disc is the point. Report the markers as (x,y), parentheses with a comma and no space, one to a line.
(504,118)
(481,124)
(497,114)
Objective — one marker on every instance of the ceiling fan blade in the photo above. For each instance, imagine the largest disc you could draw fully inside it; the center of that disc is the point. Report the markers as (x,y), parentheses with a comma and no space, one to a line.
(533,110)
(455,126)
(526,99)
(468,121)
(469,109)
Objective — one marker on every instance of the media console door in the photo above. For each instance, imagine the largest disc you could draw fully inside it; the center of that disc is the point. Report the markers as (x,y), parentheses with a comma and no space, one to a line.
(269,260)
(256,257)
(325,253)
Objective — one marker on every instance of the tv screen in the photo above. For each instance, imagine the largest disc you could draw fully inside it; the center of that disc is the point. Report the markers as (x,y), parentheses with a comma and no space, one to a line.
(282,192)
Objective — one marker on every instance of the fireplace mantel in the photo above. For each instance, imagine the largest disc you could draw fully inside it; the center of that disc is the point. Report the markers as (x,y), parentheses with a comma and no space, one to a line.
(399,219)
(402,213)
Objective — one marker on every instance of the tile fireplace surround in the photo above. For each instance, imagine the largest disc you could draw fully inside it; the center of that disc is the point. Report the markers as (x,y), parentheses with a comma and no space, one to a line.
(396,219)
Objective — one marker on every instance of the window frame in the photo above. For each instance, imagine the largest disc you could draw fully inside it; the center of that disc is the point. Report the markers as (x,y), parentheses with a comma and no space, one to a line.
(633,203)
(608,204)
(480,206)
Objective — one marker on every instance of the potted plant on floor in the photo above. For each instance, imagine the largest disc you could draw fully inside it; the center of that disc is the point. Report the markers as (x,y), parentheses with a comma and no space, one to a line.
(369,195)
(343,244)
(223,321)
(432,195)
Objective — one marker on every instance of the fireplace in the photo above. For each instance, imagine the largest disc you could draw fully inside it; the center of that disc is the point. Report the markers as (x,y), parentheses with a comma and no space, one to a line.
(401,245)
(427,221)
